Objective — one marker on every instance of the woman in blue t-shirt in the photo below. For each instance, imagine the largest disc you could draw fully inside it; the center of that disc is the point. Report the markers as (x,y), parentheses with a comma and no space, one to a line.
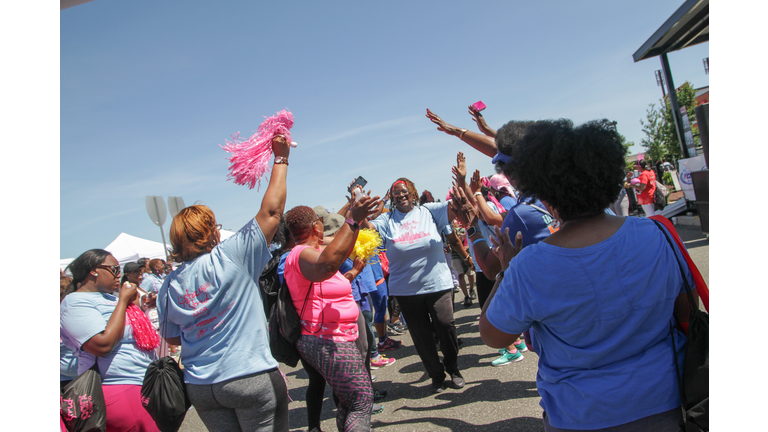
(601,317)
(94,323)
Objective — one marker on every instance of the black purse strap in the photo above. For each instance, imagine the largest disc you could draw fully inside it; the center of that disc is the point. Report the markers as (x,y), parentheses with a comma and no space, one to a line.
(671,325)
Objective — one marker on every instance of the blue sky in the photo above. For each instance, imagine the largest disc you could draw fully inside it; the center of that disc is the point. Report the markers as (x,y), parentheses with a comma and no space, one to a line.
(149,90)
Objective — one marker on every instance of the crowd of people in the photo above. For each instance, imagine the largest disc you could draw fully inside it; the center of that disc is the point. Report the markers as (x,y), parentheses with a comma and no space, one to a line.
(540,245)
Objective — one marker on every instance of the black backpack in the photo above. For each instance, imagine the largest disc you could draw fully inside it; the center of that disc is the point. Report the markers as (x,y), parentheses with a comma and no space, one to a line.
(269,283)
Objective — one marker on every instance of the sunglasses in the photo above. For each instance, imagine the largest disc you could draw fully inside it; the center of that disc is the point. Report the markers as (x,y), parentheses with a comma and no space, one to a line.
(115,269)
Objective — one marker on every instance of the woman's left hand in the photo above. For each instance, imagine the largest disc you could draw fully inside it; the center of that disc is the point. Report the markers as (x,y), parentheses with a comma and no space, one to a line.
(503,248)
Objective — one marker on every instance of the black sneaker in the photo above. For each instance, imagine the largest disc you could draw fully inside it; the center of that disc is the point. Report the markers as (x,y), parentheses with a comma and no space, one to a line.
(467,301)
(438,387)
(456,381)
(379,395)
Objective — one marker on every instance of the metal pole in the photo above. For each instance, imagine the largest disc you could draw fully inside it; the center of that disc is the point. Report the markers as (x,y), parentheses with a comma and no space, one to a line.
(674,104)
(165,247)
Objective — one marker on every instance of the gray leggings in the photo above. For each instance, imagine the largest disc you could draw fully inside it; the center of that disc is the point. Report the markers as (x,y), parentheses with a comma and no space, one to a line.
(257,402)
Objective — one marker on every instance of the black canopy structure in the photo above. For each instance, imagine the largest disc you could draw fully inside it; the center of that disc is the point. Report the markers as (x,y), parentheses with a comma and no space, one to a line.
(688,26)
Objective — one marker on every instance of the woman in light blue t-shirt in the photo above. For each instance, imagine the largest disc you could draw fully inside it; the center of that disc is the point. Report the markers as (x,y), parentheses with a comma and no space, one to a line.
(211,305)
(601,317)
(95,326)
(420,280)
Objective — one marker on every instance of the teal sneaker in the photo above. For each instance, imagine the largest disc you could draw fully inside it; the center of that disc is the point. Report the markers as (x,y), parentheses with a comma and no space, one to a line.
(522,347)
(507,358)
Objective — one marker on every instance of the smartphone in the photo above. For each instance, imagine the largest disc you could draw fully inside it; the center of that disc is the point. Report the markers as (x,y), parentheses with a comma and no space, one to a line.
(479,105)
(360,181)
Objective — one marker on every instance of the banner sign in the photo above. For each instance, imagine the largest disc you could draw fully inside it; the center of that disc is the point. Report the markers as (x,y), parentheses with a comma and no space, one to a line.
(687,166)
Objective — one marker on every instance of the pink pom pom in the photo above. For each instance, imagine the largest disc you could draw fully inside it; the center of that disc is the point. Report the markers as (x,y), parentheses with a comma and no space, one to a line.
(250,158)
(145,335)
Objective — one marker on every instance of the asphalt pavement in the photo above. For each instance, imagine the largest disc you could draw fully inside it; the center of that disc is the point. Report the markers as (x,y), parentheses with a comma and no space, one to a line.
(494,399)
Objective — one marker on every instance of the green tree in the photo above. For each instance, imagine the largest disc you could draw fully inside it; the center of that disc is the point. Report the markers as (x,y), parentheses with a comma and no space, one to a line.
(653,129)
(686,96)
(659,126)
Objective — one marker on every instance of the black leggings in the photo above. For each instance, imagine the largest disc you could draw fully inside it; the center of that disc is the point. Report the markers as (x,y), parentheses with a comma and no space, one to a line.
(484,287)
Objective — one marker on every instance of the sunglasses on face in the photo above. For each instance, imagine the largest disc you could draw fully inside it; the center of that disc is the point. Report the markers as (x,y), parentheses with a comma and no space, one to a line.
(115,269)
(398,193)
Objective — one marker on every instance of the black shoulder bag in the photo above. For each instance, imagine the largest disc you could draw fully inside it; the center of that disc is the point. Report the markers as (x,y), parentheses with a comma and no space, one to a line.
(82,402)
(694,385)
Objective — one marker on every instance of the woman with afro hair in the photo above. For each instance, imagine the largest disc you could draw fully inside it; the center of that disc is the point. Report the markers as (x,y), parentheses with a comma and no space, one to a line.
(603,337)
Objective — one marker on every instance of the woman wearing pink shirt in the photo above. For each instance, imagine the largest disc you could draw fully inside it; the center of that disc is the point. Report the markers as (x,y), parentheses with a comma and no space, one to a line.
(323,299)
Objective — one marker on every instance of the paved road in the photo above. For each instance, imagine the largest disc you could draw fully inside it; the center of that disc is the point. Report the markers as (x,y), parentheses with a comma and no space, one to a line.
(494,399)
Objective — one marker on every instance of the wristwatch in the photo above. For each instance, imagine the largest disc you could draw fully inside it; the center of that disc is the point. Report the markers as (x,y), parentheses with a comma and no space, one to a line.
(352,223)
(281,160)
(471,231)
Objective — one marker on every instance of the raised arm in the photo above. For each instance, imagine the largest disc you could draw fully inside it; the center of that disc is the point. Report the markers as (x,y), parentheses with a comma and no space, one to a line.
(319,266)
(481,124)
(273,204)
(482,143)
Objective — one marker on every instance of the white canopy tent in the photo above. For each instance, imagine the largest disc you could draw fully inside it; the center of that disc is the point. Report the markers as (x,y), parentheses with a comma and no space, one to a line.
(127,248)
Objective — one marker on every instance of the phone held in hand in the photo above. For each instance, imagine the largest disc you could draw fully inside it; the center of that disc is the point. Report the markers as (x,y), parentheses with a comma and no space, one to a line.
(479,106)
(360,181)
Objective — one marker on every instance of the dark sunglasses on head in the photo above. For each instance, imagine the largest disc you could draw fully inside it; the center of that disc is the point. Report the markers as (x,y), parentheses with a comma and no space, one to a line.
(115,269)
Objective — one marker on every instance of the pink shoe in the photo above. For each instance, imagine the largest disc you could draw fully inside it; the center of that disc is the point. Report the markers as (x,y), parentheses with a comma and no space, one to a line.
(381,361)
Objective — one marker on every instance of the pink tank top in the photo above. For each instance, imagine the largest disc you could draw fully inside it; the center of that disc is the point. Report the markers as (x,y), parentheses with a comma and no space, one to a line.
(330,312)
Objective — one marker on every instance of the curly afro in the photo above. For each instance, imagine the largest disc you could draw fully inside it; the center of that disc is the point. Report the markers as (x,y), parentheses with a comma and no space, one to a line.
(579,171)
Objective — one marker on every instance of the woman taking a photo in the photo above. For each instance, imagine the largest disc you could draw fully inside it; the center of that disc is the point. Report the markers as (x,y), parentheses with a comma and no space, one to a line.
(329,314)
(605,346)
(95,324)
(214,310)
(419,277)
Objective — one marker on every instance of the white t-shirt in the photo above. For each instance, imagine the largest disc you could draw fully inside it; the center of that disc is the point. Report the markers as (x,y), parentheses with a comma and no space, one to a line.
(415,249)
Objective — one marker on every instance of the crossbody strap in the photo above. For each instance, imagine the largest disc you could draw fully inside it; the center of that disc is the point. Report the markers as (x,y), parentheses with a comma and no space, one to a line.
(691,302)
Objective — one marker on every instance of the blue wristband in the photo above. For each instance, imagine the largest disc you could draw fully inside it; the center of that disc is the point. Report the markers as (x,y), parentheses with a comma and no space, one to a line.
(480,239)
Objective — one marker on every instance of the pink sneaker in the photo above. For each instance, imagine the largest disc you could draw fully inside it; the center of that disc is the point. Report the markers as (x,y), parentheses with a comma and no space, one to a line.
(381,361)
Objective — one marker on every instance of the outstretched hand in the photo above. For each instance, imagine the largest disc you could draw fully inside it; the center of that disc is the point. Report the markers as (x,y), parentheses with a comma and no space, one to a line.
(503,248)
(474,183)
(442,125)
(481,124)
(360,210)
(460,170)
